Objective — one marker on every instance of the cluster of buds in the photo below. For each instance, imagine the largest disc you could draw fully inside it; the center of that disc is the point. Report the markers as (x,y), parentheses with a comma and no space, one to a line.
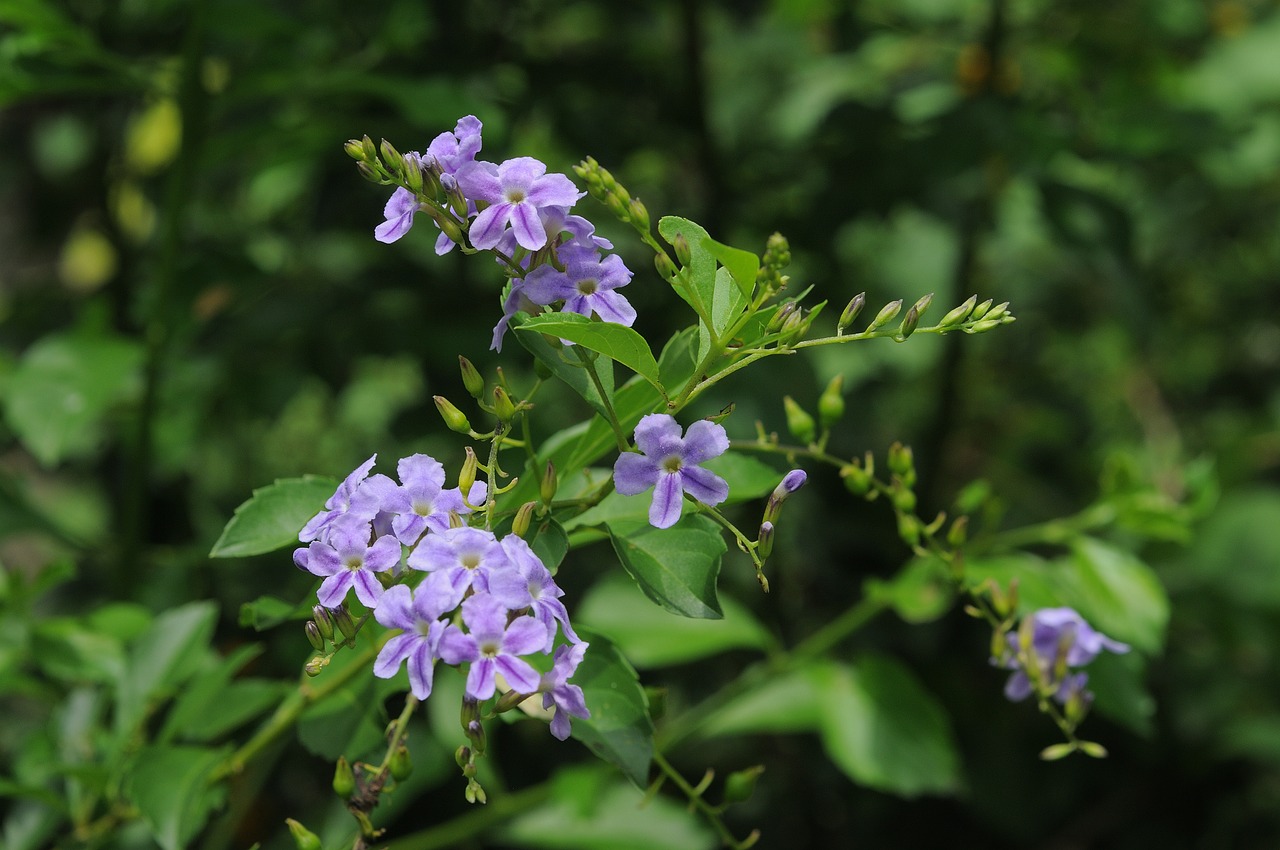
(777,256)
(500,404)
(602,186)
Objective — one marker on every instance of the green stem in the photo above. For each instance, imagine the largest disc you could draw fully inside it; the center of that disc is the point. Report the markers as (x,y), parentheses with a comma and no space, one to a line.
(590,366)
(708,811)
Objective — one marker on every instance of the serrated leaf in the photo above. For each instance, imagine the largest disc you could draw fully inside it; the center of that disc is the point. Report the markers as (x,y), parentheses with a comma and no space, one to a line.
(742,265)
(63,387)
(651,637)
(273,516)
(619,729)
(885,731)
(676,567)
(170,786)
(617,342)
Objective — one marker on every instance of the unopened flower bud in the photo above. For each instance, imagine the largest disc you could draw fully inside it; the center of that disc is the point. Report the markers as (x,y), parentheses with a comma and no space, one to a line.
(412,174)
(471,377)
(453,418)
(342,619)
(904,499)
(639,215)
(401,765)
(344,780)
(794,325)
(791,482)
(909,529)
(777,252)
(323,620)
(780,316)
(462,756)
(901,461)
(831,402)
(909,324)
(391,157)
(370,150)
(764,541)
(851,310)
(981,310)
(997,311)
(314,667)
(606,179)
(958,533)
(368,172)
(303,838)
(502,406)
(548,485)
(467,475)
(984,326)
(313,635)
(683,253)
(451,229)
(520,525)
(799,422)
(618,207)
(959,314)
(922,305)
(741,784)
(856,480)
(354,149)
(666,269)
(886,315)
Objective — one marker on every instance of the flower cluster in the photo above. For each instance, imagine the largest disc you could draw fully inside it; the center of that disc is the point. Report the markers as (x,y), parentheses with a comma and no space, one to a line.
(481,600)
(521,212)
(1044,651)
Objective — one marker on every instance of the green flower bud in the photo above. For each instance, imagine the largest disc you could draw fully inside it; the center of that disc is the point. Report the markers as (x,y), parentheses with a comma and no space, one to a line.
(981,310)
(391,157)
(313,635)
(368,172)
(354,149)
(683,253)
(831,402)
(606,179)
(502,406)
(780,316)
(909,529)
(998,311)
(799,423)
(467,475)
(342,619)
(370,151)
(471,377)
(1092,749)
(922,305)
(901,460)
(313,667)
(958,533)
(983,326)
(904,499)
(412,175)
(451,229)
(666,269)
(886,315)
(1053,752)
(909,324)
(401,765)
(520,525)
(454,418)
(462,756)
(639,215)
(303,838)
(959,314)
(324,621)
(741,784)
(856,479)
(851,310)
(344,779)
(764,541)
(618,207)
(794,325)
(777,252)
(548,485)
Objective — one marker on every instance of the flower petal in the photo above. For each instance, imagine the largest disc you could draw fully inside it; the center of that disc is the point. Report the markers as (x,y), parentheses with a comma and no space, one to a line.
(703,441)
(527,226)
(668,501)
(633,473)
(704,485)
(488,227)
(658,434)
(393,655)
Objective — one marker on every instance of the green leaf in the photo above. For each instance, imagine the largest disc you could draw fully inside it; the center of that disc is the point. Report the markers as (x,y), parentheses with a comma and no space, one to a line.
(63,388)
(619,729)
(267,612)
(573,374)
(73,653)
(701,270)
(163,658)
(921,592)
(742,265)
(216,702)
(617,342)
(676,567)
(170,786)
(780,703)
(885,731)
(550,543)
(651,637)
(1118,594)
(273,516)
(727,304)
(588,812)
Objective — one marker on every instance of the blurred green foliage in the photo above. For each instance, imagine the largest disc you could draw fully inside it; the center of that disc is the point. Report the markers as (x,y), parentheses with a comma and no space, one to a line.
(193,307)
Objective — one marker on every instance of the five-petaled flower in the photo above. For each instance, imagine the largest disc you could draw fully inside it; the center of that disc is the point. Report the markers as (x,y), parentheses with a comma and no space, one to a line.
(670,464)
(515,191)
(1059,639)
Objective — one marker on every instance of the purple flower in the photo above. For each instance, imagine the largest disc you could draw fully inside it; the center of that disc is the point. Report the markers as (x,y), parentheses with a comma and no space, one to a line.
(528,584)
(669,464)
(451,151)
(421,502)
(420,642)
(357,500)
(348,560)
(399,214)
(458,559)
(557,691)
(1056,634)
(586,285)
(514,191)
(492,646)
